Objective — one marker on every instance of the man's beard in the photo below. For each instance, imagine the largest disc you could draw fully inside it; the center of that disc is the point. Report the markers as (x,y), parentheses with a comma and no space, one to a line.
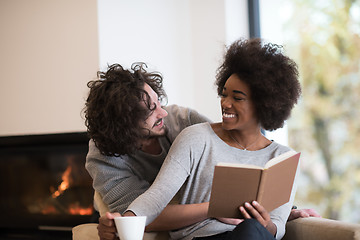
(150,134)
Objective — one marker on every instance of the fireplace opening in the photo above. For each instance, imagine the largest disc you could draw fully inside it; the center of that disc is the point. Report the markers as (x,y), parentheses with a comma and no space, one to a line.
(44,183)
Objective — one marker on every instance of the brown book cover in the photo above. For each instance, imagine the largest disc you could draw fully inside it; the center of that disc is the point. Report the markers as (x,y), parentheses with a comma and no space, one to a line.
(234,184)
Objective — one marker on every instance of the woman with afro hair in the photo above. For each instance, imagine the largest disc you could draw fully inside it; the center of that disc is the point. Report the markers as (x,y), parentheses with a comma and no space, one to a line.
(258,86)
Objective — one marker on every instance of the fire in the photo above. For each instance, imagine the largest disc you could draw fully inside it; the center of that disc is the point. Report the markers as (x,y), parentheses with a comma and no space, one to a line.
(64,184)
(74,208)
(49,210)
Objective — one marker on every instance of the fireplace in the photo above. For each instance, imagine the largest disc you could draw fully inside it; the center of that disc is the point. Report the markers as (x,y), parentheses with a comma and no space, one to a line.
(45,187)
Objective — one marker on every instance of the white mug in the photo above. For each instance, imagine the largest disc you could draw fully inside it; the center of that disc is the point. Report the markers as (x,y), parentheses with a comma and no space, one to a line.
(130,228)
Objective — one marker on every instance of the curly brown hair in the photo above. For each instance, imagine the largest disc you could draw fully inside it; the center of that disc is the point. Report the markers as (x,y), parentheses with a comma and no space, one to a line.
(271,76)
(113,113)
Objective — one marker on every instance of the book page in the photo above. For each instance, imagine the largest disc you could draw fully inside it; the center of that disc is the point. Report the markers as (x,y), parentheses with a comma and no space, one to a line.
(279,158)
(277,182)
(238,165)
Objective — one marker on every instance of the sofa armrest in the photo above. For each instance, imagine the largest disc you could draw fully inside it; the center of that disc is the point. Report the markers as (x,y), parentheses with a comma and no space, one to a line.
(314,228)
(87,231)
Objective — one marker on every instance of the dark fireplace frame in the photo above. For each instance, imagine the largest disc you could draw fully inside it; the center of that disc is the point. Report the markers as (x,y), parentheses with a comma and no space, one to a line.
(12,224)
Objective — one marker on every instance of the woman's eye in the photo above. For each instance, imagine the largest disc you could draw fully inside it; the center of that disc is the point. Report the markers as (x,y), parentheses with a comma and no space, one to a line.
(239,99)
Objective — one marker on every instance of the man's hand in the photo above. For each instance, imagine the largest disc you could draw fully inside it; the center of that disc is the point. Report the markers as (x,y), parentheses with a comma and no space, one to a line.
(302,213)
(106,227)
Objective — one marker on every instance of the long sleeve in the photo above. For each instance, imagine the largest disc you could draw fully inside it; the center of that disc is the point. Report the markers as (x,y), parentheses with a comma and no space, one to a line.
(183,158)
(119,180)
(168,182)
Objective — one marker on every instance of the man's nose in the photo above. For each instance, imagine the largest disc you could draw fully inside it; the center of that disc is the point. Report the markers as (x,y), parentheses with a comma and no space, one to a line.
(162,112)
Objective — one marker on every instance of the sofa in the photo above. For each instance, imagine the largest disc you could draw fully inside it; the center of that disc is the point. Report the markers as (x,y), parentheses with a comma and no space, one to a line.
(298,229)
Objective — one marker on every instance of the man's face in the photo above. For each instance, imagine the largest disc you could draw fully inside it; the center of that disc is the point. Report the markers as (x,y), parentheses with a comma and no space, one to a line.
(154,124)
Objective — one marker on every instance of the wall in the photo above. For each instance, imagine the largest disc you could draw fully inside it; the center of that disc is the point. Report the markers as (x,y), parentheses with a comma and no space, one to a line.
(50,49)
(182,39)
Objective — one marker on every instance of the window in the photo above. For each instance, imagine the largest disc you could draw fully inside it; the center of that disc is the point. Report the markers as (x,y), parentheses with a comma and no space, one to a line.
(323,37)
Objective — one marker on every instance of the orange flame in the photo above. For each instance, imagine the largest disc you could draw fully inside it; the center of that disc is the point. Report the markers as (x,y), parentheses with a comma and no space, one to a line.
(49,210)
(73,209)
(64,184)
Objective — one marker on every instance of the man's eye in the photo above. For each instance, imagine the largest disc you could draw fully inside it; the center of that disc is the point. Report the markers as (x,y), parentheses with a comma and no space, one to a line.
(153,106)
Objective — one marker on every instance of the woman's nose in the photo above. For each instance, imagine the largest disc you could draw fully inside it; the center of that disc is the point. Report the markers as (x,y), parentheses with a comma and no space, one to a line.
(225,103)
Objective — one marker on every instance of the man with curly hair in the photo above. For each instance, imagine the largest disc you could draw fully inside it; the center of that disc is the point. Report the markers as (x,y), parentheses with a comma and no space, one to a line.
(131,134)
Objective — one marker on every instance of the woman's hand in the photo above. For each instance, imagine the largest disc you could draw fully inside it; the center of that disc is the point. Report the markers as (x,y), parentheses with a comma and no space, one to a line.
(232,221)
(257,211)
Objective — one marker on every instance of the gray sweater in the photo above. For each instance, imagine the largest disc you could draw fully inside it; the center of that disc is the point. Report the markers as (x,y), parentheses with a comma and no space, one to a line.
(189,167)
(120,180)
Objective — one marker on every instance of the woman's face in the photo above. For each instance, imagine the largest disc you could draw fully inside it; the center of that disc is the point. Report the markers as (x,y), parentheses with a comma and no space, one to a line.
(238,112)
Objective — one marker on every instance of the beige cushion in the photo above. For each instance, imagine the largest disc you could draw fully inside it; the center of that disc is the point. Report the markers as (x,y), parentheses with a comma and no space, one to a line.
(89,231)
(321,229)
(86,231)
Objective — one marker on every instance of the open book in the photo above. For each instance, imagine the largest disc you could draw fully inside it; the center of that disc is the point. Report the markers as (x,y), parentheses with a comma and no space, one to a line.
(234,184)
